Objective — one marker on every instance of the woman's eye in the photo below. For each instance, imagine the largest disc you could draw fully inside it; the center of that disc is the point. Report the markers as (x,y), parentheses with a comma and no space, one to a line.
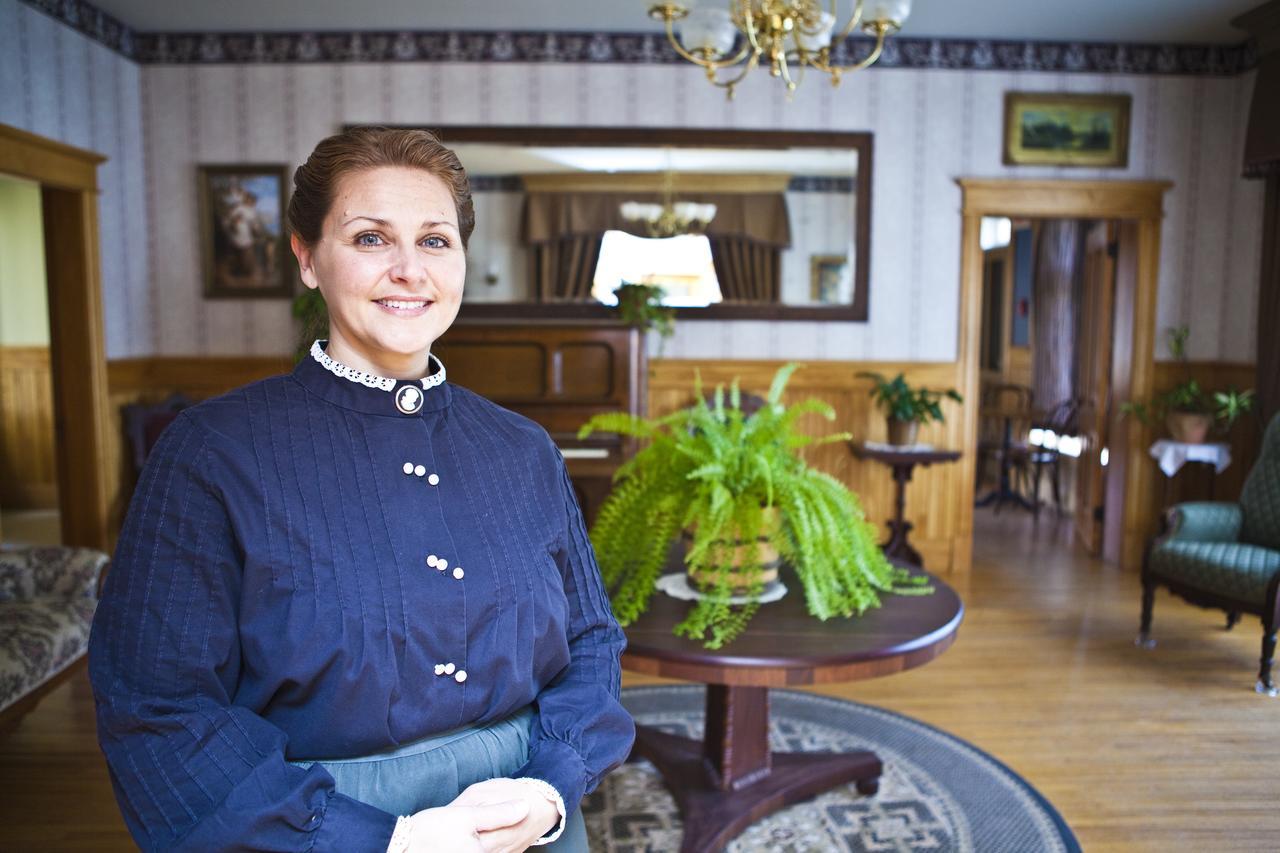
(368,239)
(436,242)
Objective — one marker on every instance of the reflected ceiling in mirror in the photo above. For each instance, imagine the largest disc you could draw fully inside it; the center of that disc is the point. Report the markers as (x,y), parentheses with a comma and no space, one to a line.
(789,237)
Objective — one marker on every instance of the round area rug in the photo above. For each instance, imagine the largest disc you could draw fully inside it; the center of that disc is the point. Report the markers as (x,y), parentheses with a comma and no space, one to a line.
(937,793)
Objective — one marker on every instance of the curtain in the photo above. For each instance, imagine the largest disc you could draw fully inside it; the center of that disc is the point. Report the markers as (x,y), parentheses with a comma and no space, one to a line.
(749,272)
(1055,297)
(563,269)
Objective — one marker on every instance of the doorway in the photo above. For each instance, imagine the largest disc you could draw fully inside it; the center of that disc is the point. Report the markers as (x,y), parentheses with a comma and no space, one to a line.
(1046,356)
(28,471)
(67,183)
(1120,252)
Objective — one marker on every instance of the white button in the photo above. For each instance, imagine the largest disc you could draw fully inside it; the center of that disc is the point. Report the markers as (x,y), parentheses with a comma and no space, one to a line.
(408,467)
(457,573)
(439,669)
(449,668)
(442,564)
(460,676)
(434,479)
(420,470)
(433,560)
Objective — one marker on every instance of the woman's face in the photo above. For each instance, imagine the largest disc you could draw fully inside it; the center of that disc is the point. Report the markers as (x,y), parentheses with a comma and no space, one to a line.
(390,265)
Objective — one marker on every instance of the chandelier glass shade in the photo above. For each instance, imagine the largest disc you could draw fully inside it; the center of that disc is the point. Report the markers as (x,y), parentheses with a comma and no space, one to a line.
(789,36)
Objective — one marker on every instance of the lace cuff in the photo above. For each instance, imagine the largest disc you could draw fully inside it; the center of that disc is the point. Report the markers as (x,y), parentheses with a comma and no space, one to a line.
(400,837)
(548,791)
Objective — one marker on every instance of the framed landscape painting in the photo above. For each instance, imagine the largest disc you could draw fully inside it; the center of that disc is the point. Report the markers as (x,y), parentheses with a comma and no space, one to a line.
(1048,129)
(242,233)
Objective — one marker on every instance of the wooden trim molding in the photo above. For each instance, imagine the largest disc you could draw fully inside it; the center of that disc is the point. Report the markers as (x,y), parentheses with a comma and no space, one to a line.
(1064,199)
(1140,201)
(51,163)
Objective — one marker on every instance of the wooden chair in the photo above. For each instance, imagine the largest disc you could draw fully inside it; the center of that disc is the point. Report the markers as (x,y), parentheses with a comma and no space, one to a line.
(1005,414)
(1062,420)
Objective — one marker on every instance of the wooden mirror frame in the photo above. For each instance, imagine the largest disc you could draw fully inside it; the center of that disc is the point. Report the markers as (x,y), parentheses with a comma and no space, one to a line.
(690,138)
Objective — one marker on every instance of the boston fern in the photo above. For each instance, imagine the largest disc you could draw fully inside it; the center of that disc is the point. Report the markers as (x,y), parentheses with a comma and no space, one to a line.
(712,471)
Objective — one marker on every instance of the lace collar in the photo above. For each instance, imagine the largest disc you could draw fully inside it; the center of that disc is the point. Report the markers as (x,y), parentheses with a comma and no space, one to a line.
(372,380)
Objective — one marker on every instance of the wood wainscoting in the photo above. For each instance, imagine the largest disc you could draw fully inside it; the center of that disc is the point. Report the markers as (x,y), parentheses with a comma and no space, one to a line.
(935,499)
(28,466)
(1194,482)
(937,496)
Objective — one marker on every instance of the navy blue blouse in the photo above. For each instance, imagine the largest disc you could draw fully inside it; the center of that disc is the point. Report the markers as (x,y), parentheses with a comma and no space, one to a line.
(306,571)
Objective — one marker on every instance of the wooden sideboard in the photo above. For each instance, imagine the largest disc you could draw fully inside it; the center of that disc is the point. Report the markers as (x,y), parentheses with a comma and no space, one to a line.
(558,374)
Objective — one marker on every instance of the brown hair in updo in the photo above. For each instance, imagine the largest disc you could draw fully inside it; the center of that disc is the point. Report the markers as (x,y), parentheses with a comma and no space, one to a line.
(315,182)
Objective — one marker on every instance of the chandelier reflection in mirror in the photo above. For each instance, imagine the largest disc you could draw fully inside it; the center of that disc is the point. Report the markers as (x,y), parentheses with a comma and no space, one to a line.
(787,34)
(671,218)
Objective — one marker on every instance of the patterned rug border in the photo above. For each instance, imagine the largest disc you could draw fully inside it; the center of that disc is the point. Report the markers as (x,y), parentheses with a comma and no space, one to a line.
(1069,839)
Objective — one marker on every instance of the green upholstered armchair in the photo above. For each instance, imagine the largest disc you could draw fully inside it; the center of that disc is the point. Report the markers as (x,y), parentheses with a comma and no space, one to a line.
(1225,555)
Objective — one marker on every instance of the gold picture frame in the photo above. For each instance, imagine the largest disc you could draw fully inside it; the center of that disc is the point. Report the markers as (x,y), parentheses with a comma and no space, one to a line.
(244,253)
(826,274)
(1057,129)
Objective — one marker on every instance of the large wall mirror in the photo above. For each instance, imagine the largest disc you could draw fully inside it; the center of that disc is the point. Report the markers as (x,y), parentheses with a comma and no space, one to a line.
(566,215)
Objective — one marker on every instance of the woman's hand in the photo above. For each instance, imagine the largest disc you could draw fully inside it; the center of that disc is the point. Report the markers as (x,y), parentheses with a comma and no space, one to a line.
(542,815)
(464,827)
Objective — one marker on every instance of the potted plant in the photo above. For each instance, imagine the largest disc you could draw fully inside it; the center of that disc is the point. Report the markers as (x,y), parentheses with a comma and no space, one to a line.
(906,407)
(736,485)
(310,310)
(1187,410)
(640,305)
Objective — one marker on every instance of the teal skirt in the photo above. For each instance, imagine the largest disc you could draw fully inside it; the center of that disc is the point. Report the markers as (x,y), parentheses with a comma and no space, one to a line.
(431,772)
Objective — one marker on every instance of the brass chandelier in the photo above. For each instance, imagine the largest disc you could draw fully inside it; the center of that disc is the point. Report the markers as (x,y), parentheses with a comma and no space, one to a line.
(671,218)
(786,34)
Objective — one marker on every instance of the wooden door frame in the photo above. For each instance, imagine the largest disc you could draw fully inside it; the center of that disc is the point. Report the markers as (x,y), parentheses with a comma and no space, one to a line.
(1138,201)
(68,178)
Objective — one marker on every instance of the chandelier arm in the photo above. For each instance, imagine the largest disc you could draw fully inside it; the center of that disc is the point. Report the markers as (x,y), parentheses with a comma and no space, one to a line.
(853,20)
(781,62)
(882,30)
(746,69)
(709,64)
(749,27)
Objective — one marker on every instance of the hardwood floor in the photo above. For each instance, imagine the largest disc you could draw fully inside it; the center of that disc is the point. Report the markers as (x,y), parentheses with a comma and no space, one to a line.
(1168,749)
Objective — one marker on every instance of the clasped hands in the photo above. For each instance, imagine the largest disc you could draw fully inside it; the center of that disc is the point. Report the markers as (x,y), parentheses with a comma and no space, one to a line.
(493,816)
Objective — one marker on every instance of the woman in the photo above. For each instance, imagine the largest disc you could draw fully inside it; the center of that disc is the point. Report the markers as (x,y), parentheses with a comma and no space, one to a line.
(354,607)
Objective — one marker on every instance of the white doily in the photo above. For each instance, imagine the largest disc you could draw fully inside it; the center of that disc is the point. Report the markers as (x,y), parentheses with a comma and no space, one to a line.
(677,585)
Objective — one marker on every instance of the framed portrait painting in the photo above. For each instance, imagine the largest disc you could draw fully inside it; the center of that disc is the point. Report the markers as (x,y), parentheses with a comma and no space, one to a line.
(1050,129)
(242,234)
(829,279)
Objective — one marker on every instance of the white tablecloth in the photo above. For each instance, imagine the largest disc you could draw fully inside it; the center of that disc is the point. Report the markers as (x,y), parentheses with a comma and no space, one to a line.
(1172,455)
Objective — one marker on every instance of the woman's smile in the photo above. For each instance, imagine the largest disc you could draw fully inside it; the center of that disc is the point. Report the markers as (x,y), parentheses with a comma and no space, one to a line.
(404,306)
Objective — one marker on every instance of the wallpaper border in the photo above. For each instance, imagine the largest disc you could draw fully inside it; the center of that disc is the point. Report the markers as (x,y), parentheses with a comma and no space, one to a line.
(627,49)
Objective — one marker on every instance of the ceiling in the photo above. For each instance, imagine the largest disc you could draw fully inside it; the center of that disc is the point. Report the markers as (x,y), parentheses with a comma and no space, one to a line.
(1153,21)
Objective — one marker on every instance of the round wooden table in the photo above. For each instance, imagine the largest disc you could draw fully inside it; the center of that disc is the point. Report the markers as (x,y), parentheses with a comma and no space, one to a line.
(731,778)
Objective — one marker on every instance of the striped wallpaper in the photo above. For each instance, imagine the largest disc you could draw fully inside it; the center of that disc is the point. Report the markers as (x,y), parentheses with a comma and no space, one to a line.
(930,127)
(60,84)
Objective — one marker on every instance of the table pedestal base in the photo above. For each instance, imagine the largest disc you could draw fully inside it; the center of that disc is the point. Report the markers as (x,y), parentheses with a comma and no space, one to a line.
(731,779)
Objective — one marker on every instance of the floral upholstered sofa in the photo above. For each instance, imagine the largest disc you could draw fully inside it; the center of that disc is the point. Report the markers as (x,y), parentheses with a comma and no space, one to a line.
(47,598)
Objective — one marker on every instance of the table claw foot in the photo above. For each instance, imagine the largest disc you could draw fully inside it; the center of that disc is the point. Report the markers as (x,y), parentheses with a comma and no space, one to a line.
(868,787)
(1265,690)
(1145,641)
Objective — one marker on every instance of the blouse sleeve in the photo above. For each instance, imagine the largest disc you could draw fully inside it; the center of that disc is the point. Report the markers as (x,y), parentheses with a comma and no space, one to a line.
(190,768)
(582,731)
